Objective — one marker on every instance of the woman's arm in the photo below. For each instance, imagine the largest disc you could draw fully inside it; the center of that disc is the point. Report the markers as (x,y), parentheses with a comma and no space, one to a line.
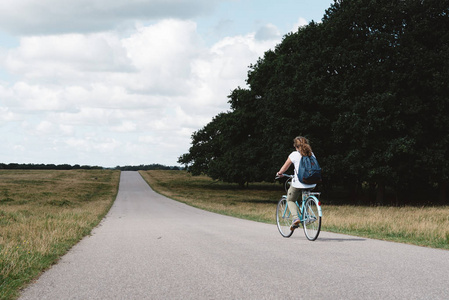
(285,167)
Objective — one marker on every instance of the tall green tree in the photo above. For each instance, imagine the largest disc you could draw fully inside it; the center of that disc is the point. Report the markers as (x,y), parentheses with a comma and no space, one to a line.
(392,57)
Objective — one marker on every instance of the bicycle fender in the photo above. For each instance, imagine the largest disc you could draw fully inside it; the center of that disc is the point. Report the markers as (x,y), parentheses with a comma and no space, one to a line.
(318,204)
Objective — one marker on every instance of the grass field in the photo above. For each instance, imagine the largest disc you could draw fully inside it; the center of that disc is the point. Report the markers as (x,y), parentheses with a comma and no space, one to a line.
(43,214)
(424,226)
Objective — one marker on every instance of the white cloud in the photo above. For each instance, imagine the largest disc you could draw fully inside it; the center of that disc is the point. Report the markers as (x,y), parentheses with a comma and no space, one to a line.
(44,128)
(23,97)
(300,23)
(125,126)
(93,144)
(6,115)
(108,99)
(68,57)
(268,32)
(162,54)
(30,17)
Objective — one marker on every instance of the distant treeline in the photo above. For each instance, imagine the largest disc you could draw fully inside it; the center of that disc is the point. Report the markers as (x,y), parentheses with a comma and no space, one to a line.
(13,166)
(16,166)
(147,167)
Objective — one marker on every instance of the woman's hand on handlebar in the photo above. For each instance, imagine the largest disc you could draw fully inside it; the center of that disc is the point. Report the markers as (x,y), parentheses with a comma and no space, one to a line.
(279,175)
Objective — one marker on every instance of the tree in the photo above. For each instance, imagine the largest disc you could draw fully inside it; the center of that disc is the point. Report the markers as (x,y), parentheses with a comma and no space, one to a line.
(397,58)
(222,148)
(368,86)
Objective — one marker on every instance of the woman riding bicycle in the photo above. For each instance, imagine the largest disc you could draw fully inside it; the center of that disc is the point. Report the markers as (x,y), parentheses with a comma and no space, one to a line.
(303,148)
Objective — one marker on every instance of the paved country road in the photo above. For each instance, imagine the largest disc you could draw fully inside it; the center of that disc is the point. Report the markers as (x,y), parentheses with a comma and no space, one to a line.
(150,247)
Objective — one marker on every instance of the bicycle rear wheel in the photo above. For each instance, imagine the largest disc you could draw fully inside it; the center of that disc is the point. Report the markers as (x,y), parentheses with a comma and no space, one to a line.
(312,220)
(283,218)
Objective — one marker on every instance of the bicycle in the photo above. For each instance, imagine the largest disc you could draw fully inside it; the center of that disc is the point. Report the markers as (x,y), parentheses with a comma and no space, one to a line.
(309,213)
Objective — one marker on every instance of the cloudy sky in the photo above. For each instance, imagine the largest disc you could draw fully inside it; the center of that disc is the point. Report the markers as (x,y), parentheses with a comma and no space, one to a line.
(127,82)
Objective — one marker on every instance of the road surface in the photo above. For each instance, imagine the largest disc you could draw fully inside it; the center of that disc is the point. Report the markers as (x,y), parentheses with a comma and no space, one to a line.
(150,247)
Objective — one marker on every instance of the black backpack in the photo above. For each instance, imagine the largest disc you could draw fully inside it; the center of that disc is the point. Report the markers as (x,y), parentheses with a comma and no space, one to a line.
(309,171)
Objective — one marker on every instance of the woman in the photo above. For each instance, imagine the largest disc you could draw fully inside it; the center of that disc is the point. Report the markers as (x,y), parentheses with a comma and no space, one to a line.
(303,148)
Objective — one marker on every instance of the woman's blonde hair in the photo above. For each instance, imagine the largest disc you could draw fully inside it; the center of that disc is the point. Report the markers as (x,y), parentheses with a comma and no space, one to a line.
(302,144)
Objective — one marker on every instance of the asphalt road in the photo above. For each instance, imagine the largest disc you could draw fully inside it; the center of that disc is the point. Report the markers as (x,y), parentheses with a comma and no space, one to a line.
(150,247)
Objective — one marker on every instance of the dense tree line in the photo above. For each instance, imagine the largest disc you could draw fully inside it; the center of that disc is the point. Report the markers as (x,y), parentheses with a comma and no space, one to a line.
(16,166)
(12,166)
(147,167)
(369,87)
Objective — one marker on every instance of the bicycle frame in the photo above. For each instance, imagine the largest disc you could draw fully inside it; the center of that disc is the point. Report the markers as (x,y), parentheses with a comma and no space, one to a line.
(305,195)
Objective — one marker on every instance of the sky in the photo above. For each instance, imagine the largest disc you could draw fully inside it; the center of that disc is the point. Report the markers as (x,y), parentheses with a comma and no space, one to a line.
(127,82)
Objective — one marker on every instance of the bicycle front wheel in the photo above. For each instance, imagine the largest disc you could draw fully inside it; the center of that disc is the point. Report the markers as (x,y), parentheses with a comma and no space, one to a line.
(283,218)
(312,219)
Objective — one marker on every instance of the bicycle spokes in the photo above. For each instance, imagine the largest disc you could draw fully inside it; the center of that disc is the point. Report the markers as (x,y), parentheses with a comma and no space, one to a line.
(283,218)
(312,220)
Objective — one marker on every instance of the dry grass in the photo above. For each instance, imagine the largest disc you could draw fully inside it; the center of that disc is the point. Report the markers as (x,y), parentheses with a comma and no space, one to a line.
(255,202)
(43,214)
(425,226)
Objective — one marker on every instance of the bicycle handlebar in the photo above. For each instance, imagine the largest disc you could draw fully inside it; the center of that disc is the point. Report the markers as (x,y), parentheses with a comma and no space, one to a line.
(283,175)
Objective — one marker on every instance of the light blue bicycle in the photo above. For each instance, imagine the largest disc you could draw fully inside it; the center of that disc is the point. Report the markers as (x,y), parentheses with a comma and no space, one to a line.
(309,213)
